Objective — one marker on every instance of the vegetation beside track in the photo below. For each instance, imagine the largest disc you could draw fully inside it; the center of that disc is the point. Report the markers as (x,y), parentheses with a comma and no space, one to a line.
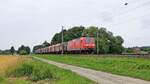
(35,72)
(133,67)
(7,62)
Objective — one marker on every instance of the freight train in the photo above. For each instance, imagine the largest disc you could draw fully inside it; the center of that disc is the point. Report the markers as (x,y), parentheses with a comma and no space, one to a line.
(80,45)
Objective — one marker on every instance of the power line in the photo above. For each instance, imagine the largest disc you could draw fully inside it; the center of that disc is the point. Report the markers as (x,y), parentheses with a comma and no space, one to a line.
(133,9)
(131,19)
(119,14)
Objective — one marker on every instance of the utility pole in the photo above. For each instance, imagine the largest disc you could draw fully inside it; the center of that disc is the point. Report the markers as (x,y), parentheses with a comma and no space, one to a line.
(62,38)
(97,42)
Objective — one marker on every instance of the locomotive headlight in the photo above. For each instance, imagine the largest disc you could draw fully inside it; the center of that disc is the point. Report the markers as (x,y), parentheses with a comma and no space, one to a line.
(93,44)
(87,45)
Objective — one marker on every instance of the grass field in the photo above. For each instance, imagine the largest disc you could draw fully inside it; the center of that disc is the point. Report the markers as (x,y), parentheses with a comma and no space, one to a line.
(7,62)
(31,71)
(133,67)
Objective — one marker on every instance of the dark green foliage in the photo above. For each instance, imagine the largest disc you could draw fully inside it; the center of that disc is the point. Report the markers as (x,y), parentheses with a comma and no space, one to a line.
(12,50)
(146,49)
(1,79)
(143,67)
(23,70)
(138,50)
(40,74)
(5,52)
(69,34)
(56,39)
(129,50)
(116,45)
(24,50)
(8,51)
(107,42)
(34,72)
(45,44)
(37,47)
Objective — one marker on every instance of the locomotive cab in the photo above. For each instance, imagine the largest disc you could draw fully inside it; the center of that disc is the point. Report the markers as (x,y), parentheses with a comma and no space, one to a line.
(88,43)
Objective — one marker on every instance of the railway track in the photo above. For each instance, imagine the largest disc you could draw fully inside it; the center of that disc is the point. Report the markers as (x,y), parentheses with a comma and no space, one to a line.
(115,55)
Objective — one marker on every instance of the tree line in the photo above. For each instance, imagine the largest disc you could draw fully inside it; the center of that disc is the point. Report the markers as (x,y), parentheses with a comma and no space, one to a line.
(107,42)
(22,50)
(140,50)
(72,33)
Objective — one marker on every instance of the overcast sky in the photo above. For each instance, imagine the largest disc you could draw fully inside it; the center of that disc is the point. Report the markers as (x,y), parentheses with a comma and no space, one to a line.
(30,22)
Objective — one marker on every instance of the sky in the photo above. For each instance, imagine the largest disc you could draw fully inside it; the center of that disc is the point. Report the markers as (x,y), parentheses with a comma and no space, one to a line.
(31,22)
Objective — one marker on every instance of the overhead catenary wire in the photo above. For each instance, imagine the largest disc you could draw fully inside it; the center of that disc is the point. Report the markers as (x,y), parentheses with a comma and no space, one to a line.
(133,17)
(129,20)
(127,13)
(122,12)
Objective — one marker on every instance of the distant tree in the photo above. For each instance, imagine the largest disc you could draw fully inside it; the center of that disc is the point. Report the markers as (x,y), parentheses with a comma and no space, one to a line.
(23,50)
(129,50)
(73,33)
(146,49)
(28,50)
(107,43)
(36,47)
(90,31)
(5,52)
(44,44)
(1,51)
(12,50)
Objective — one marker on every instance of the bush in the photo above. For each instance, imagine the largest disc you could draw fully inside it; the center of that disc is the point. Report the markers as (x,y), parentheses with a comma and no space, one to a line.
(41,74)
(1,79)
(23,70)
(35,71)
(23,52)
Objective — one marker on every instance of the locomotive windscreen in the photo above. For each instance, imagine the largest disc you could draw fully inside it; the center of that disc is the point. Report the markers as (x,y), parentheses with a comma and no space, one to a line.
(88,39)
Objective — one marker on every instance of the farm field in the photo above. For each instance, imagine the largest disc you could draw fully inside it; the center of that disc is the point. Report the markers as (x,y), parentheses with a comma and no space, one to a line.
(30,71)
(132,67)
(7,62)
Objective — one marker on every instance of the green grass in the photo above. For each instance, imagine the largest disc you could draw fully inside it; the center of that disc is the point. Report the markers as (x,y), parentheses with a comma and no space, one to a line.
(34,71)
(4,80)
(39,72)
(133,67)
(20,81)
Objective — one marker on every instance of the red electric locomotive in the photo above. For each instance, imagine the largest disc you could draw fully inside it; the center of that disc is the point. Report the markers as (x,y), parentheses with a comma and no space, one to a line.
(80,45)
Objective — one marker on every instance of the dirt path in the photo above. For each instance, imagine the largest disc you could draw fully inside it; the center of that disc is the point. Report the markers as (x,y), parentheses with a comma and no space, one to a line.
(97,76)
